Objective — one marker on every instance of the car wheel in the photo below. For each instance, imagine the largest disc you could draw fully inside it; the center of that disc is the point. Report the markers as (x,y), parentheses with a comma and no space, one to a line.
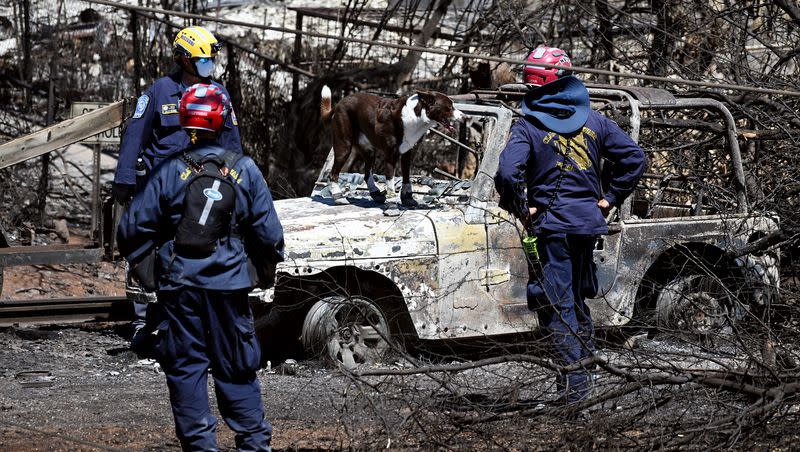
(350,331)
(696,307)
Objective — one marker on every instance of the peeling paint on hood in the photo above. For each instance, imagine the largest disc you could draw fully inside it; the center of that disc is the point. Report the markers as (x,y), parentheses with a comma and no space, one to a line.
(319,231)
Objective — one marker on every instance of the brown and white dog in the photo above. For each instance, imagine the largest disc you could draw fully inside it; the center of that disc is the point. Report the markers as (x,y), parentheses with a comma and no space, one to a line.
(370,123)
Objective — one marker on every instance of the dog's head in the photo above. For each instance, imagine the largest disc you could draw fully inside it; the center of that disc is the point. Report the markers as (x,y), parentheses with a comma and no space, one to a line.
(439,108)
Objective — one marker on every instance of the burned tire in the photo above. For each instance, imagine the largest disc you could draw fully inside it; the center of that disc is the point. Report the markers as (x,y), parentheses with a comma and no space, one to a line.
(696,307)
(349,331)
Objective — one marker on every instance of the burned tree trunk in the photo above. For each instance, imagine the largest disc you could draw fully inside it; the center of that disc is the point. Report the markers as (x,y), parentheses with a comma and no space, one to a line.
(392,76)
(790,8)
(405,68)
(233,79)
(663,41)
(603,48)
(26,70)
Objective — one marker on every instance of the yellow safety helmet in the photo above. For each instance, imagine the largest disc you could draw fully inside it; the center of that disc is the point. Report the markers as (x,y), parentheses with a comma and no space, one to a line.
(196,42)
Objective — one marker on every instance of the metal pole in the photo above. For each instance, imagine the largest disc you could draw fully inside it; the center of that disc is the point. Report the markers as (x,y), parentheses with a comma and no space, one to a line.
(461,156)
(44,176)
(95,189)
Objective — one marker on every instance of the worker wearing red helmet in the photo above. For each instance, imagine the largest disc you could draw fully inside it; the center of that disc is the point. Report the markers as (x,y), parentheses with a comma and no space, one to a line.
(539,75)
(548,176)
(198,213)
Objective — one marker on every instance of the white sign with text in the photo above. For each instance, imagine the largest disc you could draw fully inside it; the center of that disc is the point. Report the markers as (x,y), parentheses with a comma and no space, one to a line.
(110,136)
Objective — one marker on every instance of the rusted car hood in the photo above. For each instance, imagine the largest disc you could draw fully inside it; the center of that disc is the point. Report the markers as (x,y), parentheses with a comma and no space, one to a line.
(316,230)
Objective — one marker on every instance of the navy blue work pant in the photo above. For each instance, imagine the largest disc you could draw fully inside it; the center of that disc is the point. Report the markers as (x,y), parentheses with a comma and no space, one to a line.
(140,311)
(206,329)
(557,291)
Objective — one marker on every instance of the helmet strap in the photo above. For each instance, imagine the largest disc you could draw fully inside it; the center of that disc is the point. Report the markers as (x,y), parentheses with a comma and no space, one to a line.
(193,136)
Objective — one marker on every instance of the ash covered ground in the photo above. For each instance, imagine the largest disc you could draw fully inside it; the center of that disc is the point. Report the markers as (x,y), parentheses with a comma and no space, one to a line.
(78,388)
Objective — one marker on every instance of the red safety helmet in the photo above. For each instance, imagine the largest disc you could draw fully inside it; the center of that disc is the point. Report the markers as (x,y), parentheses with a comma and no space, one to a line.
(540,75)
(204,107)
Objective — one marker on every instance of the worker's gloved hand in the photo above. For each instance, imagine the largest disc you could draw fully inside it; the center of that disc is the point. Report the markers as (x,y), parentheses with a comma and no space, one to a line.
(122,193)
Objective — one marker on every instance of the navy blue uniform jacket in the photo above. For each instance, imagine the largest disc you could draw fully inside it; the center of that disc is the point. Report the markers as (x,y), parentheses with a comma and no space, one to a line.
(534,157)
(154,213)
(154,129)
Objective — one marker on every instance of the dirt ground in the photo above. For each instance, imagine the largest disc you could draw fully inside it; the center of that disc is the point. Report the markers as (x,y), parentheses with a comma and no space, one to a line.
(57,281)
(77,387)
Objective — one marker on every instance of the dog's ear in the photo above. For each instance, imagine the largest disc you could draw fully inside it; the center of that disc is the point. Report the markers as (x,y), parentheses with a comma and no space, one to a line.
(426,97)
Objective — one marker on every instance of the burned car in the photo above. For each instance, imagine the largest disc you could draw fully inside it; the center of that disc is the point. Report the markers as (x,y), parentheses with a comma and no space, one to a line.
(360,278)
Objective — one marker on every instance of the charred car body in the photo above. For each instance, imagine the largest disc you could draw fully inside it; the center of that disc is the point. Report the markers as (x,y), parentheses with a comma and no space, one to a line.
(357,276)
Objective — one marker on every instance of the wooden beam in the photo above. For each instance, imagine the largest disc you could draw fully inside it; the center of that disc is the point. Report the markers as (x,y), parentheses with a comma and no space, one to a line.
(62,134)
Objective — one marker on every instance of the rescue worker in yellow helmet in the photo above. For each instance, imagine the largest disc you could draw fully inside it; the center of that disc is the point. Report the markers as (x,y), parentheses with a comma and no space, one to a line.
(195,49)
(154,133)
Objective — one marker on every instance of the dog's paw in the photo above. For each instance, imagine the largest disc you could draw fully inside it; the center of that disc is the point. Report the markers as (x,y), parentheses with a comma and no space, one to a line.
(392,210)
(378,196)
(408,201)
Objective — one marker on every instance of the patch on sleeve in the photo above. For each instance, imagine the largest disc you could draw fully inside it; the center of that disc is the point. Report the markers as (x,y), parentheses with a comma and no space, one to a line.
(141,106)
(233,117)
(169,109)
(186,173)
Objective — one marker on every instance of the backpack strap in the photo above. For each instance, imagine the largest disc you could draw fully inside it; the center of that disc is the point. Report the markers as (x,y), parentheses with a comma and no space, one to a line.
(231,158)
(194,159)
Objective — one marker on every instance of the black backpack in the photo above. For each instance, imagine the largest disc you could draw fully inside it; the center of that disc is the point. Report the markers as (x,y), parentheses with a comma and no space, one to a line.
(209,205)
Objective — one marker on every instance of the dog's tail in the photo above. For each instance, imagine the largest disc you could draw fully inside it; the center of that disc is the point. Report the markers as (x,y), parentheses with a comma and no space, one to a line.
(326,105)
